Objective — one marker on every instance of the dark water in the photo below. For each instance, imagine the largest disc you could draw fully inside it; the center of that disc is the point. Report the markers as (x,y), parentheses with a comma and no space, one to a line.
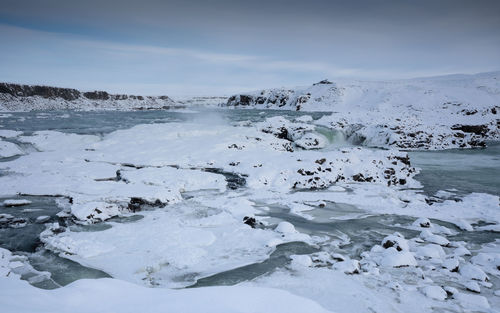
(467,171)
(26,241)
(109,121)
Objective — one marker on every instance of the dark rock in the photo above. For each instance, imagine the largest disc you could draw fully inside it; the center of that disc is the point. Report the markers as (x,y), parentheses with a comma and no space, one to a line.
(476,129)
(96,95)
(323,82)
(252,222)
(136,203)
(390,243)
(425,224)
(42,91)
(7,220)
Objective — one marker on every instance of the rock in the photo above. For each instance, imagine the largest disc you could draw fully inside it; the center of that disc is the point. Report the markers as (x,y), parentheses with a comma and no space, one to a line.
(96,95)
(323,82)
(394,258)
(469,271)
(431,251)
(472,302)
(430,237)
(461,251)
(312,141)
(476,129)
(397,241)
(450,291)
(17,97)
(7,220)
(472,286)
(322,259)
(252,222)
(348,267)
(435,292)
(422,222)
(451,264)
(42,91)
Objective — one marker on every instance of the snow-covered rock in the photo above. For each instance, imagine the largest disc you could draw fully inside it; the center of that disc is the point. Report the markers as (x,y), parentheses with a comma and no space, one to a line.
(9,149)
(433,238)
(469,271)
(397,241)
(432,113)
(14,97)
(16,202)
(434,292)
(422,222)
(285,228)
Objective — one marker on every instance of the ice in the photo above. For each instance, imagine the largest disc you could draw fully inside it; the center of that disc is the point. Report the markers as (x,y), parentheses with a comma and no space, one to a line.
(472,286)
(301,260)
(435,292)
(469,271)
(195,187)
(285,228)
(472,302)
(110,295)
(464,225)
(6,133)
(430,237)
(179,241)
(9,149)
(16,202)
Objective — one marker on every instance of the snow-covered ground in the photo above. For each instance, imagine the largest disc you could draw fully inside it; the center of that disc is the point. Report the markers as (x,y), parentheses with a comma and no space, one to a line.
(289,208)
(457,111)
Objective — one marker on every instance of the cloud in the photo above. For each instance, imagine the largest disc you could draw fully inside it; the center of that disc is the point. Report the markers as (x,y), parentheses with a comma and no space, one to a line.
(178,46)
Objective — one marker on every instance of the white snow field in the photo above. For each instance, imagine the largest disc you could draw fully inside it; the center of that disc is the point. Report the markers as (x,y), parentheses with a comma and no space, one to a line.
(112,295)
(278,213)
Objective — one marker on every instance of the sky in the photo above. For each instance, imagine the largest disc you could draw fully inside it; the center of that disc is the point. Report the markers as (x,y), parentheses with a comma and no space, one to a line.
(220,47)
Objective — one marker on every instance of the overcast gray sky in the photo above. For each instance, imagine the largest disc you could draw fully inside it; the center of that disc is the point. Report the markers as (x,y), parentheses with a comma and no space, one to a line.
(221,47)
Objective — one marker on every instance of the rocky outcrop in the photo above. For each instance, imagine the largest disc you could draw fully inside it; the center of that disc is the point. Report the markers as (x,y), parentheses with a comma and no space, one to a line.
(15,97)
(433,113)
(46,92)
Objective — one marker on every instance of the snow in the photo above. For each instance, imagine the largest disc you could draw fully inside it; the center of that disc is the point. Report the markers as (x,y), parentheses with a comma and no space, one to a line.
(472,302)
(435,292)
(301,260)
(470,271)
(472,286)
(9,149)
(16,202)
(6,133)
(188,190)
(36,102)
(430,237)
(285,228)
(410,114)
(110,295)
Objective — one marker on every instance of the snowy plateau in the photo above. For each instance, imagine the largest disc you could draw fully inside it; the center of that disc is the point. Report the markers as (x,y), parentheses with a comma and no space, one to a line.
(344,196)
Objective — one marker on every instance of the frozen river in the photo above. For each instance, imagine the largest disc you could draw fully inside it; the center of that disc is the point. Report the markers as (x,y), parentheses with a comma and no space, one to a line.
(348,228)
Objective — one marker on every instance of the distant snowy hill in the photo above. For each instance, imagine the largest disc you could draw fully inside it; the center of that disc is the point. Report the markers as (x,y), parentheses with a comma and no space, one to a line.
(479,91)
(15,97)
(455,111)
